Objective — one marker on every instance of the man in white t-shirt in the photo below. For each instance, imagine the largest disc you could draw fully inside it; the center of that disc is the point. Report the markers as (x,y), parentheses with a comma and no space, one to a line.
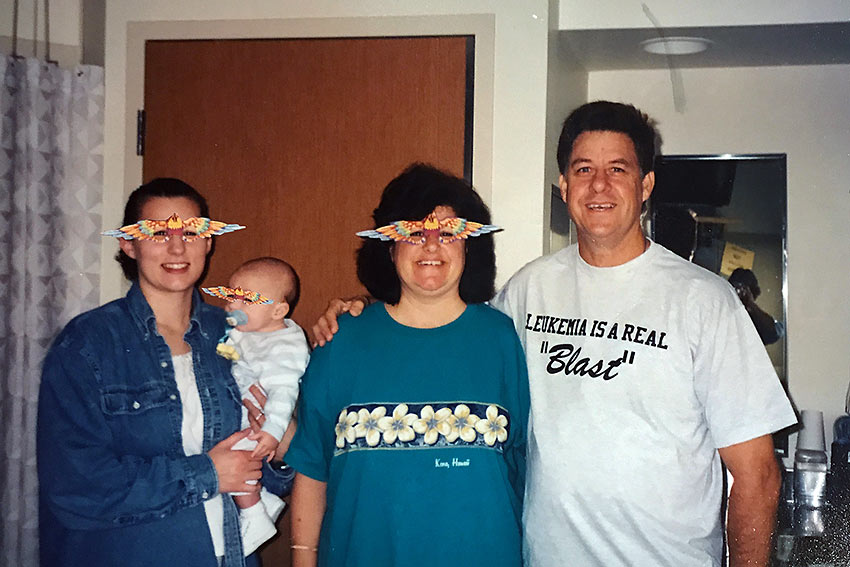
(645,373)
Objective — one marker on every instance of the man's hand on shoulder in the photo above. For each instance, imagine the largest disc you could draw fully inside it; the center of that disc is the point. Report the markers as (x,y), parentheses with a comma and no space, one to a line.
(326,326)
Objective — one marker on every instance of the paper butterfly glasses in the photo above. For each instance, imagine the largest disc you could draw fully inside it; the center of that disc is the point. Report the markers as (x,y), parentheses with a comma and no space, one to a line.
(415,232)
(162,230)
(231,294)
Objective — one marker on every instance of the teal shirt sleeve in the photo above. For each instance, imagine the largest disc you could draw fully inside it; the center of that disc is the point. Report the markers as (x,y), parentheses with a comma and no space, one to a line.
(312,447)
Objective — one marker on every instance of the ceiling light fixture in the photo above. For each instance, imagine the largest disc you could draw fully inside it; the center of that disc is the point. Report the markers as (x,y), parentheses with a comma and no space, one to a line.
(676,45)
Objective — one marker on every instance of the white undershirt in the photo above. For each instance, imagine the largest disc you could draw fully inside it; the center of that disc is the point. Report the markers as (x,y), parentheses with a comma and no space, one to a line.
(193,439)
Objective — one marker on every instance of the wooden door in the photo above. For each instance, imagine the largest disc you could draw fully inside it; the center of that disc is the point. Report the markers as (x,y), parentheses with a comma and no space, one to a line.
(296,139)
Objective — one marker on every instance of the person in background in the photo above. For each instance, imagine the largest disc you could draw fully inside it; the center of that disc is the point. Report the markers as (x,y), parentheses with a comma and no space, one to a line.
(747,287)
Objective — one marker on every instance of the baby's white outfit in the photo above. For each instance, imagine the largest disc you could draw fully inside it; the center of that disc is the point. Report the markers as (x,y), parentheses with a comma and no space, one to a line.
(274,360)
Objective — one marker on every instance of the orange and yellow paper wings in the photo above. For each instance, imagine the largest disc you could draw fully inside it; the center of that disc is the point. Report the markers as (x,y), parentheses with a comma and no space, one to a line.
(414,232)
(231,294)
(162,230)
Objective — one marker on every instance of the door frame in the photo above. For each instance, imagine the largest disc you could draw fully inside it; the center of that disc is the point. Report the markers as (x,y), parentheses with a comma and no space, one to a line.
(517,48)
(481,26)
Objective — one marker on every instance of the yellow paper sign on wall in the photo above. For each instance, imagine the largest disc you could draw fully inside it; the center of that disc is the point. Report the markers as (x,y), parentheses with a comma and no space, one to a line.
(735,256)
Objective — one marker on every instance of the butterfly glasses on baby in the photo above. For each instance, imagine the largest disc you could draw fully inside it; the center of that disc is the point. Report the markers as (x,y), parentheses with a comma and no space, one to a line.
(415,232)
(231,294)
(161,231)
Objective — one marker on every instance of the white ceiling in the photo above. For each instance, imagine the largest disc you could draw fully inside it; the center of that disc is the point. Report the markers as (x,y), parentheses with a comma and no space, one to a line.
(734,46)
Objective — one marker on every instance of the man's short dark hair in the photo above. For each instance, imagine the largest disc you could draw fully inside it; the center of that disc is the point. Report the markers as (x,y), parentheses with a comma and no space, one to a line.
(415,193)
(604,115)
(160,187)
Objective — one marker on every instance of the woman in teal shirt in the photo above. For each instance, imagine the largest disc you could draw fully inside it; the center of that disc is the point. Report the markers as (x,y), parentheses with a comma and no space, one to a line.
(412,425)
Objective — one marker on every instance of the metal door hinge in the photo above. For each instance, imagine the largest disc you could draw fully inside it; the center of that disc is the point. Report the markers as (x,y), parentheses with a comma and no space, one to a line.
(140,132)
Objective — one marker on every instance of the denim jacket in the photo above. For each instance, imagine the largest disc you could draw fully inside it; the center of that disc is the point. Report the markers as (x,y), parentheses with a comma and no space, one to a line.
(116,486)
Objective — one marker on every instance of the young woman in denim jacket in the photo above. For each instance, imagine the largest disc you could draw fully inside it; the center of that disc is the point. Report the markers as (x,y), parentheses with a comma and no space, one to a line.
(137,415)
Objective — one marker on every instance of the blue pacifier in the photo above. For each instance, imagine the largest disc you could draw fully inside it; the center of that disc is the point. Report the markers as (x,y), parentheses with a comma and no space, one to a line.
(236,317)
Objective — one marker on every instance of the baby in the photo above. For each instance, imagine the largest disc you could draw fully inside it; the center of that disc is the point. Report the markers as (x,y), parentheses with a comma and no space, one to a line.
(271,351)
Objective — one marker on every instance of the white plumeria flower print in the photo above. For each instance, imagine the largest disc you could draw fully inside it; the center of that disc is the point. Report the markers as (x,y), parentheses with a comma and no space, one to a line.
(493,427)
(428,424)
(345,428)
(398,426)
(368,425)
(461,424)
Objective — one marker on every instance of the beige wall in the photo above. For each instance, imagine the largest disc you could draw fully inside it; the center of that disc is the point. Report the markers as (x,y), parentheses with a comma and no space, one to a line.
(65,22)
(508,157)
(65,29)
(566,90)
(802,112)
(617,14)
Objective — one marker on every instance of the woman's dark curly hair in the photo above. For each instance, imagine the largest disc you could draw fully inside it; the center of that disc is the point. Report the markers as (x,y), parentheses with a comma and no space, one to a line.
(415,193)
(160,187)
